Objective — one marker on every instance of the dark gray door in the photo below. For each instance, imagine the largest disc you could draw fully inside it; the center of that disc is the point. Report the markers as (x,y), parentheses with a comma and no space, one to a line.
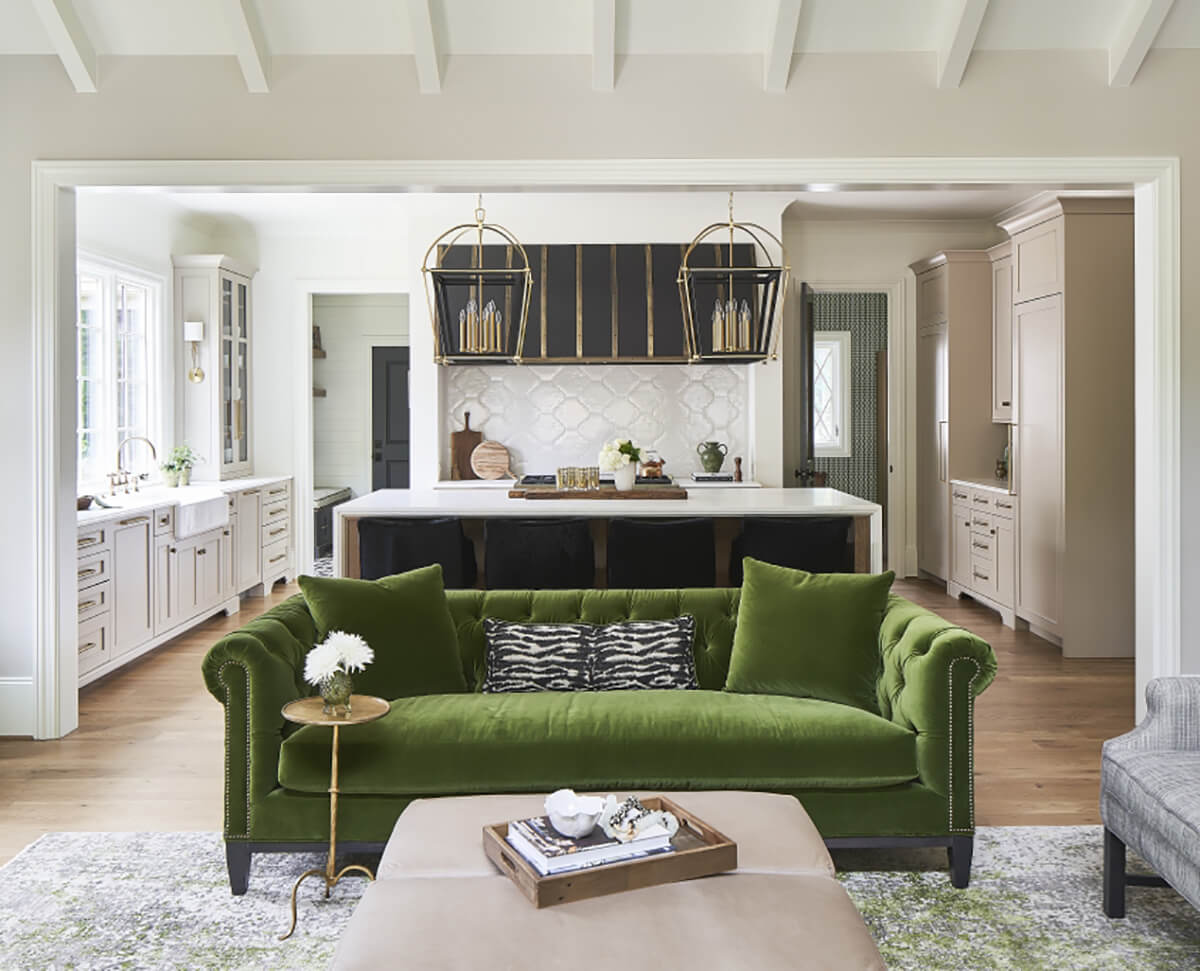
(389,417)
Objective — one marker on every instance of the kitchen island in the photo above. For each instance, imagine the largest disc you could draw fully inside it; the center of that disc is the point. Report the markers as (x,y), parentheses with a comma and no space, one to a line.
(727,507)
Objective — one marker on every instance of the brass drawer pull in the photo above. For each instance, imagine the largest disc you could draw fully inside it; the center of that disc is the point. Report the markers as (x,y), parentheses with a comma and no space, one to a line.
(277,492)
(981,576)
(276,559)
(960,495)
(982,546)
(88,541)
(84,648)
(276,532)
(982,502)
(201,552)
(1003,505)
(134,520)
(981,522)
(91,571)
(89,603)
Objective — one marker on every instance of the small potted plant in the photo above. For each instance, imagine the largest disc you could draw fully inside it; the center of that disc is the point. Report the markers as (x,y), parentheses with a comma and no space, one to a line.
(620,457)
(177,469)
(330,664)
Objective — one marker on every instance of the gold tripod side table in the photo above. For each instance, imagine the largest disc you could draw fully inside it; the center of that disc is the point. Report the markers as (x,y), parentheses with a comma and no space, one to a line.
(310,711)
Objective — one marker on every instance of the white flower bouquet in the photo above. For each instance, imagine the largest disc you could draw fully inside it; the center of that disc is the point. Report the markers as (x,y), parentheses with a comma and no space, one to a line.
(330,664)
(617,453)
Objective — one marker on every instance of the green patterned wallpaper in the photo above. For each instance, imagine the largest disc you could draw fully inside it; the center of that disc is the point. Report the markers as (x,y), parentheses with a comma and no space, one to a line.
(865,316)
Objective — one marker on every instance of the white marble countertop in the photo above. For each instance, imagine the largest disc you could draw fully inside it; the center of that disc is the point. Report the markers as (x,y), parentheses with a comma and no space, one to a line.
(702,502)
(983,482)
(157,495)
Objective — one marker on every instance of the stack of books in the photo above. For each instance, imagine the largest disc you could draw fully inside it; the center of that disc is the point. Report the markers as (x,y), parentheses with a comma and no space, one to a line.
(712,476)
(549,852)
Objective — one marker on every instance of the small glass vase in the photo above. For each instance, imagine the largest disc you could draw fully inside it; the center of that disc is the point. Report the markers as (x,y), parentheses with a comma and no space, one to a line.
(335,692)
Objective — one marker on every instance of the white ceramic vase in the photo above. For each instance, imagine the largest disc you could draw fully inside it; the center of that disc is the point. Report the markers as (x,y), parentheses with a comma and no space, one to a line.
(625,476)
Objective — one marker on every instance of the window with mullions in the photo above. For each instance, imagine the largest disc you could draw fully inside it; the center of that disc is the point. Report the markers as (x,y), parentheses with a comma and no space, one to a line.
(831,393)
(118,320)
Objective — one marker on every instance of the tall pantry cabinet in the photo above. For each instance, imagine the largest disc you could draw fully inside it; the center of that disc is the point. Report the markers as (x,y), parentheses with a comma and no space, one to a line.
(1073,418)
(214,291)
(955,434)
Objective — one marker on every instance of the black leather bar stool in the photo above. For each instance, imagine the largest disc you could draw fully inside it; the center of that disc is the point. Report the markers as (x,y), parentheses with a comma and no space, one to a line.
(655,554)
(538,554)
(818,544)
(390,545)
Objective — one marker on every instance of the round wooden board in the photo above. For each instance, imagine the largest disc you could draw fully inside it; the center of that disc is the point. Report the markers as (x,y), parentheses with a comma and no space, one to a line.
(489,460)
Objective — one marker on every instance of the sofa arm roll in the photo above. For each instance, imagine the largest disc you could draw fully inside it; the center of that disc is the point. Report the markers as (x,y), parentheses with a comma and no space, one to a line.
(931,674)
(253,673)
(1172,721)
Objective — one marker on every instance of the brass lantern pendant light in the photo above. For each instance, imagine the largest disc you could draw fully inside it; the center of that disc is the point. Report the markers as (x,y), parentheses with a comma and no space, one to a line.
(478,293)
(733,292)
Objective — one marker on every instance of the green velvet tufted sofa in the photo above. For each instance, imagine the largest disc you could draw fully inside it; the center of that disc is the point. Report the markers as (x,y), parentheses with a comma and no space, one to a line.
(898,774)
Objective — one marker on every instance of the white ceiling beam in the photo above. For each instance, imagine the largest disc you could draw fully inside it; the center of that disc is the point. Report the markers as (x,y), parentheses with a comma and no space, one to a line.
(425,47)
(604,44)
(959,41)
(248,44)
(781,42)
(1134,40)
(70,41)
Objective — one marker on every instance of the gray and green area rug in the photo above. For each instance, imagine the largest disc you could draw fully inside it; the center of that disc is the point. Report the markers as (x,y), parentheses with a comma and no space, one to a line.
(160,900)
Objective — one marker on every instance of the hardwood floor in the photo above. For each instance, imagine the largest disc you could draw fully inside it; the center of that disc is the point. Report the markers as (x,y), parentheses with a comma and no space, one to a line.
(148,751)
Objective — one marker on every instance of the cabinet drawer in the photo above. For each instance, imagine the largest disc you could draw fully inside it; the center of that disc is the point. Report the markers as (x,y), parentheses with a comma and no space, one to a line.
(1005,506)
(983,575)
(982,523)
(983,547)
(91,540)
(275,532)
(164,520)
(95,642)
(95,600)
(94,569)
(960,495)
(982,500)
(276,512)
(274,559)
(280,490)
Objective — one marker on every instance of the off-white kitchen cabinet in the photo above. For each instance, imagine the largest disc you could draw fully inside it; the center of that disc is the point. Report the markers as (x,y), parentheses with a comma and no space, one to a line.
(139,586)
(984,546)
(1002,344)
(214,291)
(955,432)
(133,582)
(1072,422)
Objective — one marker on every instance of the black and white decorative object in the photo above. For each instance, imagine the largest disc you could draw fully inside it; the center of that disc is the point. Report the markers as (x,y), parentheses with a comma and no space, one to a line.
(536,657)
(644,654)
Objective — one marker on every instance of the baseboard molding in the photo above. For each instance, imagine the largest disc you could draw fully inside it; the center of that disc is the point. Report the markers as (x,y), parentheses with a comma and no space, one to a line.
(16,706)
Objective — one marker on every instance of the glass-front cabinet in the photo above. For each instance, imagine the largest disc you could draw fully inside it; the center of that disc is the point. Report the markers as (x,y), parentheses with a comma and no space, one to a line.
(214,291)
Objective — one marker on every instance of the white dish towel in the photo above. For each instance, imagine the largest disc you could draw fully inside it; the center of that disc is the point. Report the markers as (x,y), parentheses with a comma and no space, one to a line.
(197,510)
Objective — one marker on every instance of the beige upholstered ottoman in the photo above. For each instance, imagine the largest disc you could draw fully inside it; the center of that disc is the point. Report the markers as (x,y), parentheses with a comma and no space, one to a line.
(440,903)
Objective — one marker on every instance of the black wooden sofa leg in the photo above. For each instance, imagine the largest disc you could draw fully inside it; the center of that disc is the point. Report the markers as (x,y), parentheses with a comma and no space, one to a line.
(960,850)
(237,862)
(1114,875)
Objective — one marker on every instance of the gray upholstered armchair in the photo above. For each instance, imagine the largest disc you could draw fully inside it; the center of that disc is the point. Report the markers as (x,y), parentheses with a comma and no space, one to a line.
(1150,795)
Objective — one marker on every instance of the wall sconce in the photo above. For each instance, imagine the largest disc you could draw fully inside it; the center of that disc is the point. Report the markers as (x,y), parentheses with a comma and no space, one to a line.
(193,334)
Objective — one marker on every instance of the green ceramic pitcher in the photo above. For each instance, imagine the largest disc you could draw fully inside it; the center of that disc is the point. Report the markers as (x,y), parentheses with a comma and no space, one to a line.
(712,455)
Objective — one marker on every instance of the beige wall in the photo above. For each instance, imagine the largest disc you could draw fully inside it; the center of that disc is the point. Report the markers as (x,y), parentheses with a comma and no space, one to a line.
(1011,104)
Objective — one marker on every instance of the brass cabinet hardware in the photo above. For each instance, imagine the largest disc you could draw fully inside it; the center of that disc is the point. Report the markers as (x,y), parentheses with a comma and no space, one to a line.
(225,533)
(88,541)
(276,559)
(983,502)
(981,576)
(279,491)
(201,552)
(91,571)
(276,532)
(83,648)
(134,521)
(89,603)
(981,546)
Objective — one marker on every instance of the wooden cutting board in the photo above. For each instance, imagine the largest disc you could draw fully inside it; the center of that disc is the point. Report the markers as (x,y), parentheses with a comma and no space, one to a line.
(462,444)
(489,460)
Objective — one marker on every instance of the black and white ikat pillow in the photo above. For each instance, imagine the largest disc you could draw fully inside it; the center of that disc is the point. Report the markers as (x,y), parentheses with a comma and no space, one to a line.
(536,657)
(643,654)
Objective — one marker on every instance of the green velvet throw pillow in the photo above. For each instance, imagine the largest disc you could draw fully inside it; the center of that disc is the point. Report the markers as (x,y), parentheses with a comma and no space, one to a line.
(406,621)
(811,635)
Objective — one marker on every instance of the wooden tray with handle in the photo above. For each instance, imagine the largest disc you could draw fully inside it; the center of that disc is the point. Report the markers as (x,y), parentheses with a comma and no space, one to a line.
(700,851)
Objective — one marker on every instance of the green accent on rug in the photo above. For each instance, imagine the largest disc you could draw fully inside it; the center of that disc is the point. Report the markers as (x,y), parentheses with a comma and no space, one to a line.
(161,900)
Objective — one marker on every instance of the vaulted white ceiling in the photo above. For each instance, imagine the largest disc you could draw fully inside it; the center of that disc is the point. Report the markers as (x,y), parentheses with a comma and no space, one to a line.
(252,31)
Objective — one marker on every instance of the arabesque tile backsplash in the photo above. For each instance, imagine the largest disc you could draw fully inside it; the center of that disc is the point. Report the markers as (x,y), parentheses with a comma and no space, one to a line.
(549,416)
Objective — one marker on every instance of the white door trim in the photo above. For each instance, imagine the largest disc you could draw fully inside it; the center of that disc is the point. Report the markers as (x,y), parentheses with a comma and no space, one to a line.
(302,406)
(1157,330)
(900,389)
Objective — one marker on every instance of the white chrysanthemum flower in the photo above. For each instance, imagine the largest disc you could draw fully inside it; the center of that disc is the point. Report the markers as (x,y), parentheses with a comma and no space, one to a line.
(321,663)
(353,652)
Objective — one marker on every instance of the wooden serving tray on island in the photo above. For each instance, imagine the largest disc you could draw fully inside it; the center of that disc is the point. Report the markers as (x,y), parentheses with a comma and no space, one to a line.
(700,851)
(604,492)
